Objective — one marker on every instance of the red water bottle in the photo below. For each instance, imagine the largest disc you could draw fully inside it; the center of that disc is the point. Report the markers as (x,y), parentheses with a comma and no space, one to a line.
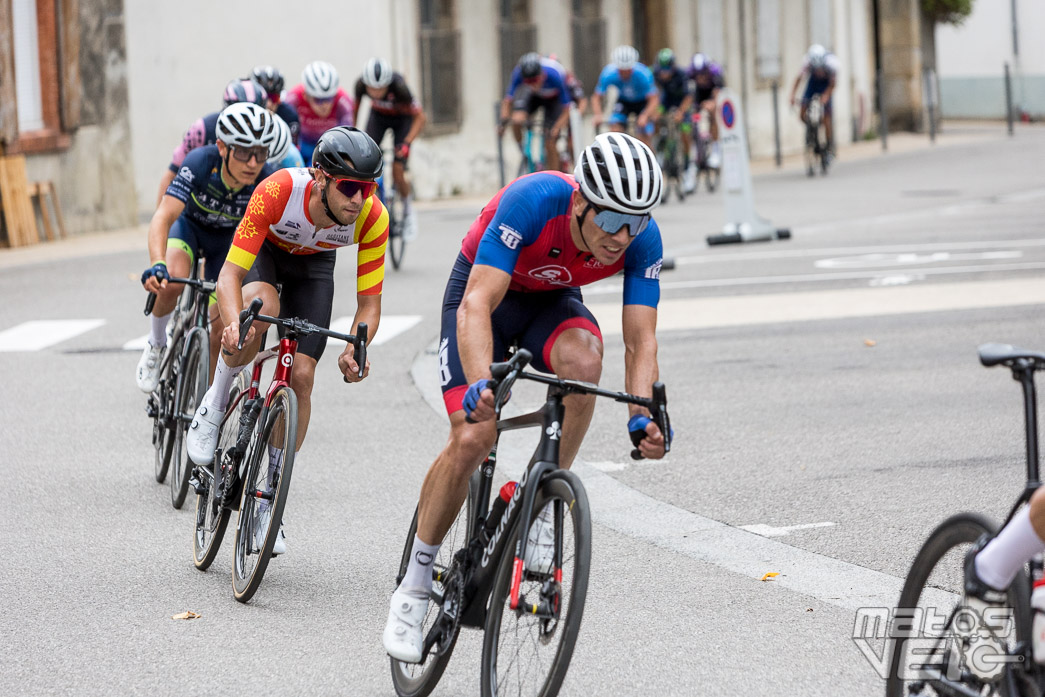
(497,510)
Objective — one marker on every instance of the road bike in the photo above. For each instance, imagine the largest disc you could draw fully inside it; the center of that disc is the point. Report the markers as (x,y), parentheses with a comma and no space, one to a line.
(254,459)
(927,657)
(184,376)
(530,618)
(703,145)
(394,204)
(671,156)
(532,147)
(817,150)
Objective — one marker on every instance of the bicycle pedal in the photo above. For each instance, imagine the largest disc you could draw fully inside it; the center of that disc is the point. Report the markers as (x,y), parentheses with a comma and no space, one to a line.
(150,409)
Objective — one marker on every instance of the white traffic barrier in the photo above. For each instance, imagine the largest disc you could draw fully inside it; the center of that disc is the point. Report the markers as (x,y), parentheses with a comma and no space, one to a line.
(743,224)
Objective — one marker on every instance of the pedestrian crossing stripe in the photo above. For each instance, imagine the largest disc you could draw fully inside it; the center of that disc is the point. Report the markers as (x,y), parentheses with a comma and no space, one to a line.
(39,334)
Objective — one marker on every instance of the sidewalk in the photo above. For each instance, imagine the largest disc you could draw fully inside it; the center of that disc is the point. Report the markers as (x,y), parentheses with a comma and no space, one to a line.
(953,133)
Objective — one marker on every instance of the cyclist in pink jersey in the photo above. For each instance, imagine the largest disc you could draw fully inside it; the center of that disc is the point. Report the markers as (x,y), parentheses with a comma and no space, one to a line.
(321,105)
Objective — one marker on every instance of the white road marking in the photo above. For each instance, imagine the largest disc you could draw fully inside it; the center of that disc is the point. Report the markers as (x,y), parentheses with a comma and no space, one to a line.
(630,512)
(700,313)
(39,334)
(872,261)
(770,531)
(137,344)
(610,466)
(391,327)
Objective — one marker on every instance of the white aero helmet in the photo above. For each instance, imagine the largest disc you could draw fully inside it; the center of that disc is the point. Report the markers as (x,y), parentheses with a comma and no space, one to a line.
(377,73)
(621,173)
(246,125)
(817,55)
(625,57)
(320,78)
(281,145)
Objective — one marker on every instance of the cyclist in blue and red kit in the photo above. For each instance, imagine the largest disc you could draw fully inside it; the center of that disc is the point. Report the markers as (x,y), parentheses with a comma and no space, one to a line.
(517,279)
(537,83)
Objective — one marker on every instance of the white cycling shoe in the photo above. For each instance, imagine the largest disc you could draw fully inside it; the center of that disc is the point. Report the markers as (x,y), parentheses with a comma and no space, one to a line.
(540,545)
(202,437)
(403,633)
(261,528)
(409,227)
(149,367)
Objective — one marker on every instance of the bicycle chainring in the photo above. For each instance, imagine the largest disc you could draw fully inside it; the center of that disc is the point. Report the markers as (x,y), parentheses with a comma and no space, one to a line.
(449,619)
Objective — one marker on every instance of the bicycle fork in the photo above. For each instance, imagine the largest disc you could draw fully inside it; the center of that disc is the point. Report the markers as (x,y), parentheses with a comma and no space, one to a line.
(535,475)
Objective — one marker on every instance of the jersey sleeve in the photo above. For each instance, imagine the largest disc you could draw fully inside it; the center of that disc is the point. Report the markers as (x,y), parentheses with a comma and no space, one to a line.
(189,176)
(372,237)
(513,81)
(514,225)
(403,97)
(345,107)
(360,88)
(642,268)
(605,79)
(265,208)
(647,77)
(554,78)
(193,138)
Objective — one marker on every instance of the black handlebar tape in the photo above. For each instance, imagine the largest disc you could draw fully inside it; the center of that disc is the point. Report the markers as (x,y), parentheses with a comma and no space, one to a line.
(149,302)
(246,318)
(360,354)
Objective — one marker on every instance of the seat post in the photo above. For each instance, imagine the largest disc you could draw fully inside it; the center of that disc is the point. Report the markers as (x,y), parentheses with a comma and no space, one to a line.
(1024,372)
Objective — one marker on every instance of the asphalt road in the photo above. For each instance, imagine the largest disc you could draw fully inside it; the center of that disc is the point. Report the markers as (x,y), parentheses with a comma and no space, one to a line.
(828,382)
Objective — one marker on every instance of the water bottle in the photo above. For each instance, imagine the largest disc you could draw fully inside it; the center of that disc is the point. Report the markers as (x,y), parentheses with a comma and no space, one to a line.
(497,510)
(1037,601)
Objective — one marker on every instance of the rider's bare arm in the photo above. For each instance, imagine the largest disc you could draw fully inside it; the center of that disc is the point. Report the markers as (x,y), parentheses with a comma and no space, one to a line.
(165,181)
(416,125)
(639,324)
(230,300)
(160,226)
(368,310)
(484,292)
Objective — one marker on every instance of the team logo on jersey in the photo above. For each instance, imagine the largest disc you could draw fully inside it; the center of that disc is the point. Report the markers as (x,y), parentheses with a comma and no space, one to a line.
(290,235)
(554,252)
(551,273)
(510,237)
(593,263)
(343,239)
(186,173)
(292,224)
(654,270)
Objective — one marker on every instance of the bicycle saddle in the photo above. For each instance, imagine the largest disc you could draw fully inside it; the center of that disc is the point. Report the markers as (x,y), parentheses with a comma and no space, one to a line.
(1006,354)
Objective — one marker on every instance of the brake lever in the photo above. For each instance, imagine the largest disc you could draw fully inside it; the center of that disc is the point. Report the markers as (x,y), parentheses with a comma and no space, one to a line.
(149,302)
(360,352)
(246,318)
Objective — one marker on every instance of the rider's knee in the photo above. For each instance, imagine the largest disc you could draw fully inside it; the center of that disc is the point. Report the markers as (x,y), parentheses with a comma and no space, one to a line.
(577,355)
(469,443)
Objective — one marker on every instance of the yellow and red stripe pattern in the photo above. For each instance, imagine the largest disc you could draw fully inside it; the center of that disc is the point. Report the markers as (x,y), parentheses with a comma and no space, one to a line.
(372,238)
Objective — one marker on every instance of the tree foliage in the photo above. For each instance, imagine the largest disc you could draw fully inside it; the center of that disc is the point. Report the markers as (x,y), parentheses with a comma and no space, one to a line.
(947,11)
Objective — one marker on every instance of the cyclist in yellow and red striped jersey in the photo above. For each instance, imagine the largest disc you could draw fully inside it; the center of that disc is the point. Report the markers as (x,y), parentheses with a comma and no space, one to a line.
(294,222)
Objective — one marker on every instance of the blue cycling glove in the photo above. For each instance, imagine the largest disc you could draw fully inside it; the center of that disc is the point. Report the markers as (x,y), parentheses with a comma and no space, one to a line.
(637,428)
(471,397)
(159,270)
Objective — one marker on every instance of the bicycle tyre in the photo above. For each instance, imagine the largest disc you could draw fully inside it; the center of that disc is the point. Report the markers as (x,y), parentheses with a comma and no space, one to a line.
(396,243)
(407,683)
(566,487)
(284,407)
(205,544)
(193,377)
(949,536)
(162,440)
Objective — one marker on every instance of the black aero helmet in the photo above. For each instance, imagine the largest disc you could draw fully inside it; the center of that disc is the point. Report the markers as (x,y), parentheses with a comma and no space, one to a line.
(530,65)
(346,151)
(268,77)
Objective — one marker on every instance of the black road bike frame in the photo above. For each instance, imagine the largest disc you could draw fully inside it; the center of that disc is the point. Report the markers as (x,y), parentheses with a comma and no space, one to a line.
(477,562)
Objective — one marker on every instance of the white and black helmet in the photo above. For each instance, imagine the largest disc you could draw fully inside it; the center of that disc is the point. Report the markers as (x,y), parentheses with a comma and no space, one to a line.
(621,173)
(625,57)
(320,78)
(246,125)
(377,73)
(281,145)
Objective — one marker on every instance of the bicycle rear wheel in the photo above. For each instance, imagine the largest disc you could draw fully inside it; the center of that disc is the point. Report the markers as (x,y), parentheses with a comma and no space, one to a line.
(164,401)
(211,517)
(419,679)
(193,376)
(396,243)
(932,595)
(529,654)
(265,482)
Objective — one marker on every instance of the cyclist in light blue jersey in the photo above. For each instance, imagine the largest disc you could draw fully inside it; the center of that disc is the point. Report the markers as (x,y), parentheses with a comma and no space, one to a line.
(636,94)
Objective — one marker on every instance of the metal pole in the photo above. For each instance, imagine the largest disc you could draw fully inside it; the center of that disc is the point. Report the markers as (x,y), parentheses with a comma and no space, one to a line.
(931,103)
(776,123)
(883,118)
(500,145)
(1008,98)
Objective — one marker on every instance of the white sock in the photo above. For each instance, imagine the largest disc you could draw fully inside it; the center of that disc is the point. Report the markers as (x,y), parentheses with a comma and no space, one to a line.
(217,396)
(275,460)
(406,204)
(418,577)
(158,329)
(998,562)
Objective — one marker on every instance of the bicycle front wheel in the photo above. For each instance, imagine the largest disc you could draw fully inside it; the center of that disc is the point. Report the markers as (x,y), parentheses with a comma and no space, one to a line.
(921,661)
(419,679)
(269,463)
(527,652)
(162,422)
(396,243)
(211,517)
(193,377)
